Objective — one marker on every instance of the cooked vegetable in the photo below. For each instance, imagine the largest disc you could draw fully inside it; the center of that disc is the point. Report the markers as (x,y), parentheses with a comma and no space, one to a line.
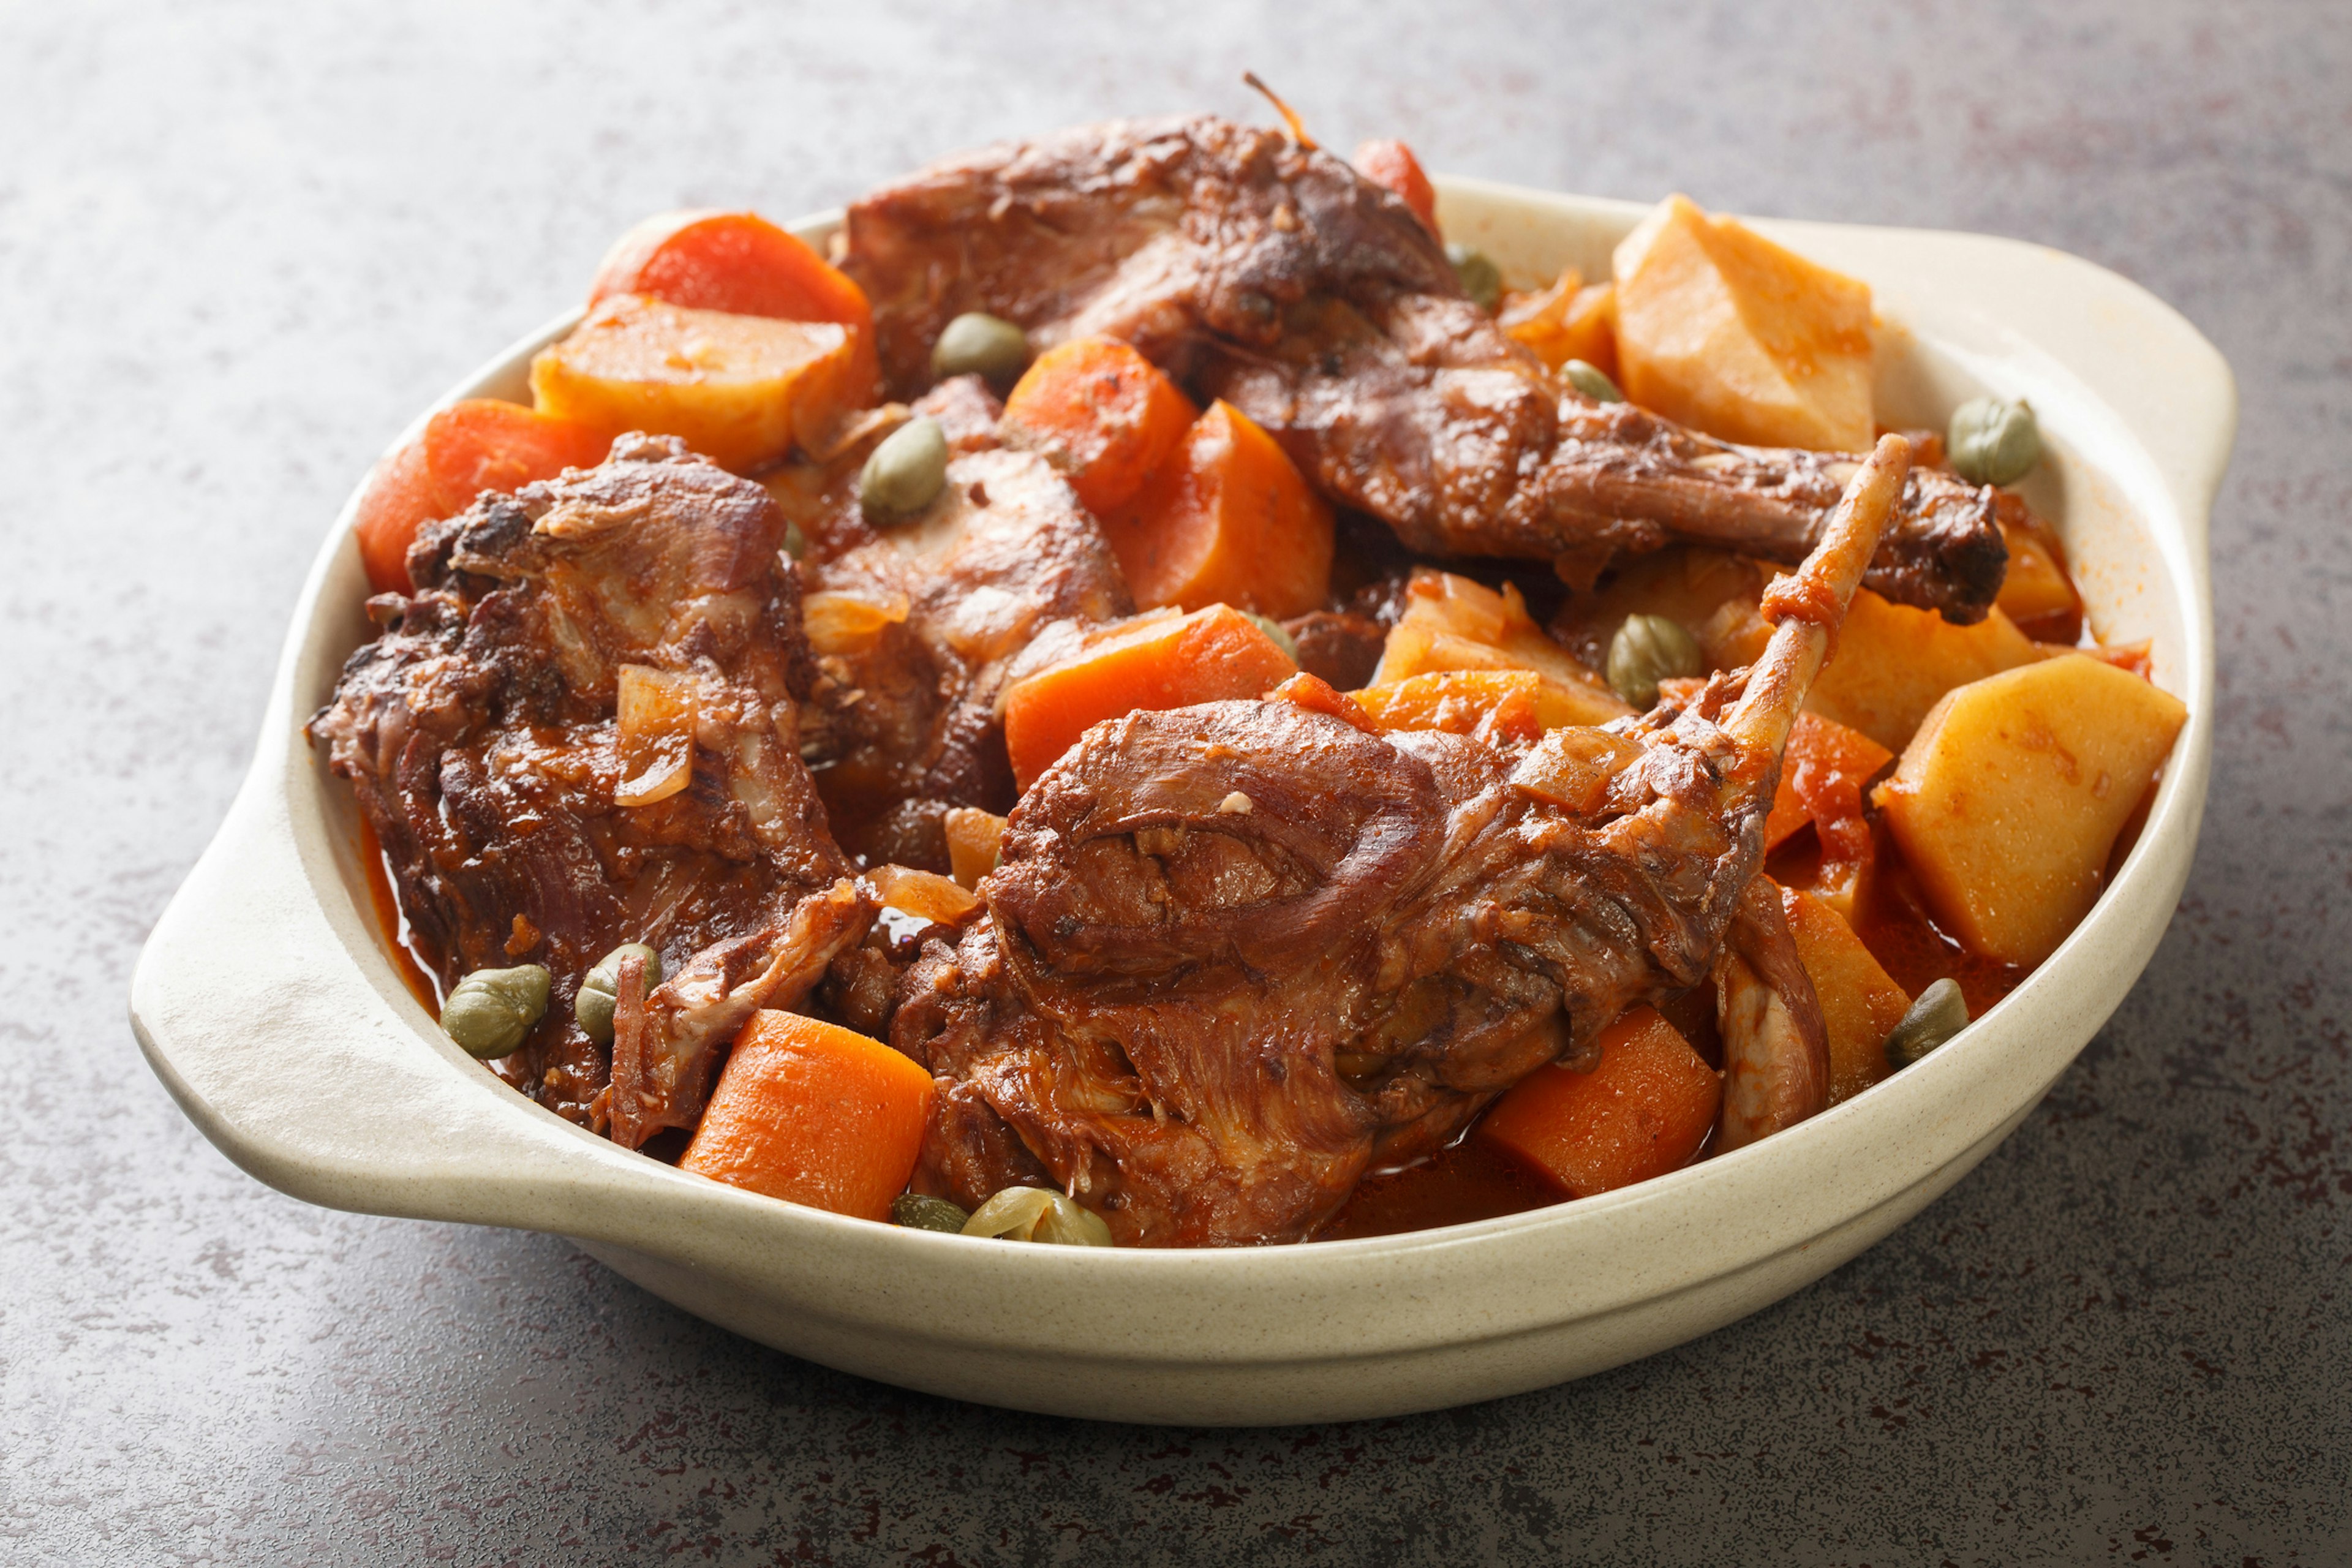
(1504,704)
(1227,519)
(594,1006)
(1278,632)
(977,343)
(470,446)
(1104,416)
(489,1011)
(1037,1213)
(1393,164)
(654,722)
(815,1114)
(1893,663)
(1721,328)
(1155,661)
(739,389)
(1642,1111)
(1823,773)
(2010,797)
(975,838)
(916,1212)
(1646,650)
(1593,381)
(740,263)
(1569,321)
(1940,1012)
(924,893)
(1575,766)
(1451,623)
(1481,279)
(2036,588)
(1859,1001)
(905,472)
(1994,440)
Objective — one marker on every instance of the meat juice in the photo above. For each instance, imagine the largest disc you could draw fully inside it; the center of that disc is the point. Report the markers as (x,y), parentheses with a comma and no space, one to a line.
(1472,1180)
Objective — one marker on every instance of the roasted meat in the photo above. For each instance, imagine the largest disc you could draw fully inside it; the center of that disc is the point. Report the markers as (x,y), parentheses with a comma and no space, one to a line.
(1239,953)
(1278,277)
(914,628)
(529,816)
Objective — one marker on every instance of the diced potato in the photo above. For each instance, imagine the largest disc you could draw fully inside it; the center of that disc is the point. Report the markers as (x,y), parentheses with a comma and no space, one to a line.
(2008,800)
(1570,320)
(1725,331)
(1861,1004)
(1453,623)
(1891,663)
(740,390)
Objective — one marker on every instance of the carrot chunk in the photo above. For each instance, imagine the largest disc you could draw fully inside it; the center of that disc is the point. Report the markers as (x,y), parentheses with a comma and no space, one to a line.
(1227,519)
(814,1114)
(740,263)
(1393,164)
(1104,416)
(477,445)
(1155,661)
(1643,1111)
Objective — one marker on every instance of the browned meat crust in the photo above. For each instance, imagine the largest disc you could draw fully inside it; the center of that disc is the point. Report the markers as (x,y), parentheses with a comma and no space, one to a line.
(478,735)
(1315,301)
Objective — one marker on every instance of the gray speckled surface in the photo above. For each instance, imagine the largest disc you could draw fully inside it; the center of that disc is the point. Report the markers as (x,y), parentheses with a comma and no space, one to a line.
(239,248)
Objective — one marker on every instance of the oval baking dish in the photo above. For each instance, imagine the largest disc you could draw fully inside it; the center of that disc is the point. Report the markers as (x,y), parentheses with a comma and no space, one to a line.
(267,1002)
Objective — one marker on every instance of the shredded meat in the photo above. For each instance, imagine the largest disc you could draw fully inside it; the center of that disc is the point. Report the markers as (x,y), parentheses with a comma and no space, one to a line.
(1314,301)
(478,735)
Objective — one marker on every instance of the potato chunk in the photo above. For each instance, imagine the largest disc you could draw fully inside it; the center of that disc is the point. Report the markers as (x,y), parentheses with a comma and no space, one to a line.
(1721,328)
(1860,1002)
(1892,663)
(741,390)
(2008,799)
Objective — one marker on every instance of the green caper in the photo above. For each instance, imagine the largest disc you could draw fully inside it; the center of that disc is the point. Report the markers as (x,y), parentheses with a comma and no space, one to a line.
(1994,440)
(1481,279)
(1037,1213)
(977,343)
(1940,1012)
(906,473)
(1646,650)
(1273,629)
(916,1212)
(598,992)
(490,1010)
(1591,381)
(795,541)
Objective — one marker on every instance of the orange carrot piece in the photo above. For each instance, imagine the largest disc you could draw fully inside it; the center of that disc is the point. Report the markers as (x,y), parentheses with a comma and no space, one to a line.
(814,1114)
(1393,164)
(1503,705)
(1643,1111)
(477,445)
(1227,519)
(1305,690)
(1823,773)
(1104,416)
(740,263)
(1154,661)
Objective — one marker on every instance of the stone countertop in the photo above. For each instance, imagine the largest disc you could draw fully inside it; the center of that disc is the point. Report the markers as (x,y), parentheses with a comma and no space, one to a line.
(239,245)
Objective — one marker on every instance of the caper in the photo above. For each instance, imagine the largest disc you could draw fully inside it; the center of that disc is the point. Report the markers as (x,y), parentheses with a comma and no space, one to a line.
(1591,381)
(490,1010)
(1940,1012)
(1037,1213)
(601,988)
(795,541)
(1481,279)
(1274,631)
(977,343)
(1994,440)
(905,472)
(1646,650)
(916,1212)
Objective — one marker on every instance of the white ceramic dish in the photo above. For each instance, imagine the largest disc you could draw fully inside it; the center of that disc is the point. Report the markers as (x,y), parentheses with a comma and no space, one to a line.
(266,1002)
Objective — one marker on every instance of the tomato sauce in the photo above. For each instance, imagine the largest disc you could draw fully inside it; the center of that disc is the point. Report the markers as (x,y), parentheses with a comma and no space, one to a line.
(1472,1180)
